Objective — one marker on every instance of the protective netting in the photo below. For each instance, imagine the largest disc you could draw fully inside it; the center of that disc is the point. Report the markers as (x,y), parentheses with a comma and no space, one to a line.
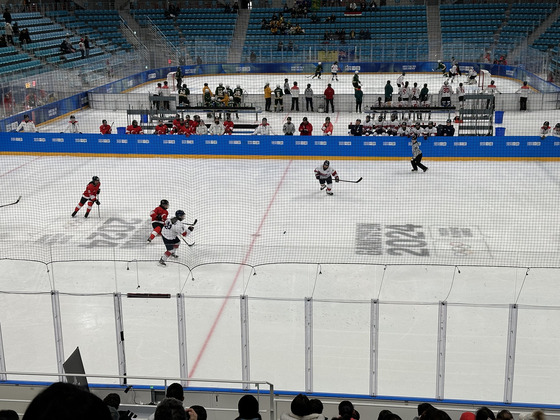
(265,211)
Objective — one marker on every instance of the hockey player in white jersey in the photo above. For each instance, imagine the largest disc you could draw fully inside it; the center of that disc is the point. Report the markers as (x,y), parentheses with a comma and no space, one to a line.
(453,71)
(334,71)
(400,79)
(445,93)
(404,95)
(73,126)
(324,174)
(429,131)
(27,125)
(472,77)
(170,233)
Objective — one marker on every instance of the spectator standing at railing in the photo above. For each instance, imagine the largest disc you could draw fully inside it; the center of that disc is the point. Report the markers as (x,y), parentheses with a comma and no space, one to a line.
(82,47)
(524,92)
(327,129)
(309,98)
(248,408)
(329,98)
(24,37)
(358,95)
(294,90)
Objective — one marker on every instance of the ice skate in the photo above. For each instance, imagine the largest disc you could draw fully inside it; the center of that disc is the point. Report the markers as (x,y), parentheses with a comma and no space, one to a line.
(86,215)
(74,214)
(149,240)
(174,255)
(424,170)
(323,187)
(161,262)
(329,193)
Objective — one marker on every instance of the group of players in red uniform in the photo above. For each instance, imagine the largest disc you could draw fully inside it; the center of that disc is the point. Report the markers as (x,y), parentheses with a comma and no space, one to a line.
(184,126)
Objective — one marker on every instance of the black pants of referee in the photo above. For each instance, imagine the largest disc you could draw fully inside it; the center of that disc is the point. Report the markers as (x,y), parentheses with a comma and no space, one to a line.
(415,162)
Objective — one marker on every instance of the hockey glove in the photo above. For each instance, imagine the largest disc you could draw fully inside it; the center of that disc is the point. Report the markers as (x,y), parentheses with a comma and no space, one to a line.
(191,228)
(337,179)
(97,202)
(317,177)
(158,217)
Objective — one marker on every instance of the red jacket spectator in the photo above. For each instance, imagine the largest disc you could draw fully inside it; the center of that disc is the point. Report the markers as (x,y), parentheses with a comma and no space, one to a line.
(329,93)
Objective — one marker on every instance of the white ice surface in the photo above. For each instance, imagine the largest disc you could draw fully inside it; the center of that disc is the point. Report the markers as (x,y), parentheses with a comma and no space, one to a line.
(243,210)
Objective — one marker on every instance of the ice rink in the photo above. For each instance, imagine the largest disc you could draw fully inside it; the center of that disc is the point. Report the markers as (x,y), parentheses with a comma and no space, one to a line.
(516,123)
(478,234)
(266,230)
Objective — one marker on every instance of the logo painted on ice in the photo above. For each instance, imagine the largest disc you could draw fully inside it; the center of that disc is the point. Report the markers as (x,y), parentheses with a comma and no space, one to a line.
(242,69)
(296,68)
(352,68)
(152,76)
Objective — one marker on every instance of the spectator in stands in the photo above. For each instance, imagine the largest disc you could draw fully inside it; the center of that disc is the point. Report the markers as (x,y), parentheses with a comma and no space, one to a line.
(64,401)
(170,409)
(3,41)
(265,24)
(248,408)
(299,408)
(197,412)
(9,31)
(82,47)
(199,61)
(235,7)
(263,129)
(280,46)
(87,45)
(66,46)
(314,18)
(7,15)
(113,401)
(483,413)
(345,411)
(227,7)
(305,128)
(27,125)
(8,415)
(15,28)
(331,18)
(502,415)
(524,92)
(329,98)
(253,57)
(24,37)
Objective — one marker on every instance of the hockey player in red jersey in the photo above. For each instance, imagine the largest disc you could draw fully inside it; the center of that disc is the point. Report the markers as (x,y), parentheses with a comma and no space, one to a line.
(134,128)
(89,196)
(159,216)
(161,128)
(105,128)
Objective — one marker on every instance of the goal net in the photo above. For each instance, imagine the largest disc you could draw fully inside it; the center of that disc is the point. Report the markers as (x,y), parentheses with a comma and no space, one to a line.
(171,81)
(484,78)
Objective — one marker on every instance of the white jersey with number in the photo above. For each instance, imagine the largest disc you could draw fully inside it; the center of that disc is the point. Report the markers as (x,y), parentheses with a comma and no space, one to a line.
(173,230)
(325,173)
(400,80)
(334,68)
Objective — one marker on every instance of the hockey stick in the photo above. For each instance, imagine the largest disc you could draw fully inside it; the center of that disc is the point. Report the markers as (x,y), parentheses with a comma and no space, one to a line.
(191,224)
(11,204)
(353,182)
(185,241)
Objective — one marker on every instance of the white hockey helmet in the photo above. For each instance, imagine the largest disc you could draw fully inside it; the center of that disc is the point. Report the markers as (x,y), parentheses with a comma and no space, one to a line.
(319,62)
(356,72)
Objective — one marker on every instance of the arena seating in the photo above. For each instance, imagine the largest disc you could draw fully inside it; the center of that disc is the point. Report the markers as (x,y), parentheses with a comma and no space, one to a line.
(524,18)
(392,35)
(468,29)
(194,31)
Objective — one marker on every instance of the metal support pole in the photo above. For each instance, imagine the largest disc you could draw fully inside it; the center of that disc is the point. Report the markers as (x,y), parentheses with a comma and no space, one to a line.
(308,345)
(58,342)
(245,361)
(3,376)
(510,355)
(119,329)
(182,335)
(442,338)
(374,347)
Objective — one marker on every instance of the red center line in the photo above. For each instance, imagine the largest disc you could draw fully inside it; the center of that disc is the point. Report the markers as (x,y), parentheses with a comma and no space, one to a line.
(20,166)
(336,120)
(234,282)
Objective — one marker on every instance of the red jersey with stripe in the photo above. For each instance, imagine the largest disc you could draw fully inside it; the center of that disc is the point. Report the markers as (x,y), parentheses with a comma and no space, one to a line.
(92,190)
(159,214)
